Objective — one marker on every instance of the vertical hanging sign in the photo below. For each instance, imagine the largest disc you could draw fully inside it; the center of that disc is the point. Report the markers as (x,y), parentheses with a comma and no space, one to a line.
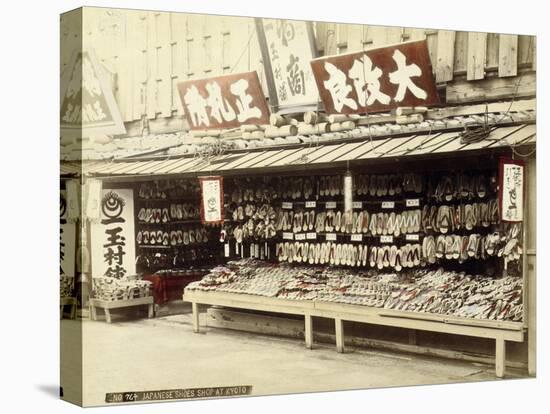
(67,239)
(511,189)
(113,248)
(287,48)
(212,211)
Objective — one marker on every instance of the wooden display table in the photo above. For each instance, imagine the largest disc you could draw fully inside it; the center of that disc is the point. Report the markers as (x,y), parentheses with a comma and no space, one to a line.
(107,305)
(500,331)
(68,301)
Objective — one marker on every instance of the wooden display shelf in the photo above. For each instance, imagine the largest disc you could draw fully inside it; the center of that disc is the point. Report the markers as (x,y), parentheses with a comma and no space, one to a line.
(107,305)
(500,331)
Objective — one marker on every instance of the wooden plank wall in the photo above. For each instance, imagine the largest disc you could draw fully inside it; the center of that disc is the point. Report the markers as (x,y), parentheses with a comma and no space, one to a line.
(148,53)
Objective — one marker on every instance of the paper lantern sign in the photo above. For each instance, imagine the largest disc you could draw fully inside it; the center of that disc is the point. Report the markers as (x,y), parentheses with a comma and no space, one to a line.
(212,211)
(376,80)
(224,101)
(511,189)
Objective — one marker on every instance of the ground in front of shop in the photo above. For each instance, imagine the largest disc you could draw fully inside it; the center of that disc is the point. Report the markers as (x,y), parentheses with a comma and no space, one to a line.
(163,353)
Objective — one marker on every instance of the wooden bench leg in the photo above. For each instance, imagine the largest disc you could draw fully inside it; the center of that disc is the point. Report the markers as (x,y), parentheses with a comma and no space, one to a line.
(73,311)
(93,312)
(151,310)
(107,315)
(195,308)
(339,325)
(309,331)
(500,357)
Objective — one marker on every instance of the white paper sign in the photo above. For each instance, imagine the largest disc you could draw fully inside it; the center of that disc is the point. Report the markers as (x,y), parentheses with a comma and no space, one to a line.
(311,236)
(412,237)
(386,239)
(512,192)
(330,236)
(311,204)
(113,248)
(300,236)
(357,205)
(212,200)
(288,236)
(67,242)
(287,205)
(412,202)
(388,204)
(330,204)
(289,51)
(356,237)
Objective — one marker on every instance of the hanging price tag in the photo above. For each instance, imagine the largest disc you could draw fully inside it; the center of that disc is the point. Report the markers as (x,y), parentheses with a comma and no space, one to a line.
(226,249)
(288,236)
(300,236)
(388,204)
(287,205)
(386,239)
(356,237)
(330,237)
(357,204)
(311,236)
(412,237)
(311,204)
(412,202)
(330,204)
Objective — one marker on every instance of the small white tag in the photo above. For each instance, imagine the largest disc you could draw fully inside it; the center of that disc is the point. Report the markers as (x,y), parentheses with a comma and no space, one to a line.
(311,204)
(237,249)
(356,237)
(386,239)
(388,204)
(412,237)
(412,202)
(288,236)
(330,204)
(287,205)
(357,204)
(311,236)
(330,237)
(226,249)
(300,236)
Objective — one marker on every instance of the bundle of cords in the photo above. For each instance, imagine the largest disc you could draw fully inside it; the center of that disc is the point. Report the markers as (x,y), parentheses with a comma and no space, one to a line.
(474,133)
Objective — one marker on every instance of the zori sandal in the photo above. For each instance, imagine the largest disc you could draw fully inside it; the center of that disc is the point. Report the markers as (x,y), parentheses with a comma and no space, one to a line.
(449,241)
(440,247)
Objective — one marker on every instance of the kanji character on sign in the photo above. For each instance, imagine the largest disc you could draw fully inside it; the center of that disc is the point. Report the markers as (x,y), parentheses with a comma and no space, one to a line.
(338,88)
(365,78)
(402,77)
(219,107)
(295,78)
(243,101)
(196,105)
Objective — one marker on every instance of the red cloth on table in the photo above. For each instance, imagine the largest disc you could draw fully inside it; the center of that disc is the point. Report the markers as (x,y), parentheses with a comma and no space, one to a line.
(167,288)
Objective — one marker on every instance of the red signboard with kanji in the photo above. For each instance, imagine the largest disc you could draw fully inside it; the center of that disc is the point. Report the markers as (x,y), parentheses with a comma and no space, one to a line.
(376,80)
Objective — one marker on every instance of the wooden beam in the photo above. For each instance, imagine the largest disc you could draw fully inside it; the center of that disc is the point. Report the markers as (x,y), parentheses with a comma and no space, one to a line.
(492,89)
(339,332)
(445,55)
(477,49)
(500,357)
(508,55)
(195,309)
(308,334)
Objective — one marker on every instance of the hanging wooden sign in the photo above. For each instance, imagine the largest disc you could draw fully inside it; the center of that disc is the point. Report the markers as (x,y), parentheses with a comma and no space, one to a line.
(376,80)
(88,105)
(224,101)
(113,248)
(212,211)
(511,189)
(287,48)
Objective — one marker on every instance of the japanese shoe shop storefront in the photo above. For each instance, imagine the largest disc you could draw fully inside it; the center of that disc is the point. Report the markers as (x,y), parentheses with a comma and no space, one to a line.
(373,199)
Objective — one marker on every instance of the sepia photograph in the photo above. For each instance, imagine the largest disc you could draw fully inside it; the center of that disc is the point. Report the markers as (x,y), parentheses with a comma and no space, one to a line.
(254,206)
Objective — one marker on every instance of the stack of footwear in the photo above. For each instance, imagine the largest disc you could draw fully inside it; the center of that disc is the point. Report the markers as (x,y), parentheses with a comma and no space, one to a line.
(448,218)
(462,186)
(195,235)
(153,215)
(111,289)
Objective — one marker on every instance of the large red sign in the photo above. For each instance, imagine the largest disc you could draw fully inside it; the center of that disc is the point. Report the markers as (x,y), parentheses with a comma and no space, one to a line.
(224,101)
(376,80)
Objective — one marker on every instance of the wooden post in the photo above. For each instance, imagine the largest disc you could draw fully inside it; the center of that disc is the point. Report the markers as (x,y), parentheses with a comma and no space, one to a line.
(339,325)
(93,312)
(107,315)
(500,357)
(151,312)
(73,309)
(412,336)
(195,308)
(308,331)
